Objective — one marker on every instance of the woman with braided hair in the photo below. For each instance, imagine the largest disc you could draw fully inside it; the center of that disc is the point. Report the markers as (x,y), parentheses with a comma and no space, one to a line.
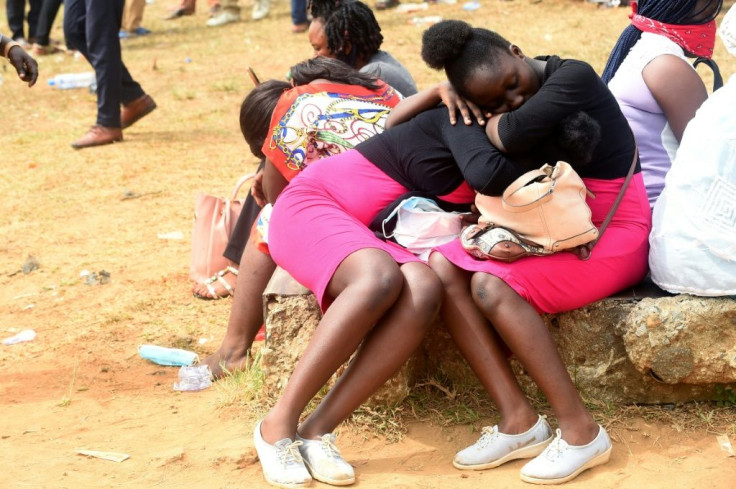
(650,75)
(348,31)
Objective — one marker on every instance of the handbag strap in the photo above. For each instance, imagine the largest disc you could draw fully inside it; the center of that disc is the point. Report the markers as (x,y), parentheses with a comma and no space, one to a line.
(240,183)
(619,198)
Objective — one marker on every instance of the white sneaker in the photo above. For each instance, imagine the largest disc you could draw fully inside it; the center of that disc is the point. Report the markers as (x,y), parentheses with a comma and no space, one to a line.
(495,448)
(281,462)
(260,9)
(560,462)
(324,461)
(224,17)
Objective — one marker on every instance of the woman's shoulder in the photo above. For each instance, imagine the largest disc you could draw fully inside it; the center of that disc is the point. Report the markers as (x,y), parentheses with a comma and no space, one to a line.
(648,48)
(573,69)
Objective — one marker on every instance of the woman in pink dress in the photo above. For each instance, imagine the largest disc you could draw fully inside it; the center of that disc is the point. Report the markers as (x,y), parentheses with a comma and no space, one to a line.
(491,307)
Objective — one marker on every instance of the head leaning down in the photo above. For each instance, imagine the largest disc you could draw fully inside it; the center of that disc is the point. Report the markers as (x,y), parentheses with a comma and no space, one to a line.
(483,67)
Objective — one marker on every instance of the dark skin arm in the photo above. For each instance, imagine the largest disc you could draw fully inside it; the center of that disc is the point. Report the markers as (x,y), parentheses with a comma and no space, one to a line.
(427,99)
(273,182)
(23,63)
(677,88)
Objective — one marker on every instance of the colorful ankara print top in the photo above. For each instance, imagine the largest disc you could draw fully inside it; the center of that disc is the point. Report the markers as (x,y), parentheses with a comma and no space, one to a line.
(323,119)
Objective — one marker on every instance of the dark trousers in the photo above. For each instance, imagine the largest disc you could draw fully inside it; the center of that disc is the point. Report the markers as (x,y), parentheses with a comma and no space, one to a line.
(91,27)
(16,11)
(46,17)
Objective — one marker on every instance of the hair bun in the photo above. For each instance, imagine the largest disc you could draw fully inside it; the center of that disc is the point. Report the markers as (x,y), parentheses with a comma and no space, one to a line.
(444,41)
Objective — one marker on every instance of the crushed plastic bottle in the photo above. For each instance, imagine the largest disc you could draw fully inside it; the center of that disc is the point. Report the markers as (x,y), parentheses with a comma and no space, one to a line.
(194,378)
(426,21)
(67,81)
(25,335)
(173,357)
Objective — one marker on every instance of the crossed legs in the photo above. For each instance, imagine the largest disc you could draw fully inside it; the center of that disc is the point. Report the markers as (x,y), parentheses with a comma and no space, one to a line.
(385,306)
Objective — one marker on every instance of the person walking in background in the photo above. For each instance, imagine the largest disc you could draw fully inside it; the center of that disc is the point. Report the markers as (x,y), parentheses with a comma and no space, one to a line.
(299,19)
(92,27)
(132,18)
(16,11)
(653,81)
(23,62)
(187,7)
(41,37)
(230,12)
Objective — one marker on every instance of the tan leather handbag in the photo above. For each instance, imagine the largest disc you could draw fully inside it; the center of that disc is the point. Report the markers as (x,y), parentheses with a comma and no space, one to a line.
(540,213)
(214,220)
(545,207)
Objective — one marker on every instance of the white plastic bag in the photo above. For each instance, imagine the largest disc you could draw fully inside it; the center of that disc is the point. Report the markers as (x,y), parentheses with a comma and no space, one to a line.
(422,225)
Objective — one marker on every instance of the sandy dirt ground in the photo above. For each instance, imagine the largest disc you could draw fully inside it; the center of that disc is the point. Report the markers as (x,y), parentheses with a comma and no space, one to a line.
(127,209)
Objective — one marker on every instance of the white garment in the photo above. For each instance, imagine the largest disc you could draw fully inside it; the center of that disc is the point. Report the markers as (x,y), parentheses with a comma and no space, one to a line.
(693,239)
(728,30)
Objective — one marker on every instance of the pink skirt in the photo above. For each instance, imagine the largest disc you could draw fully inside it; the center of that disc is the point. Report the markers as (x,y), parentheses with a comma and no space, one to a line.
(562,282)
(323,215)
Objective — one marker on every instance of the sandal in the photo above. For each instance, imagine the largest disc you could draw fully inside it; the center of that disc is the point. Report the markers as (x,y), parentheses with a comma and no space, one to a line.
(219,278)
(386,4)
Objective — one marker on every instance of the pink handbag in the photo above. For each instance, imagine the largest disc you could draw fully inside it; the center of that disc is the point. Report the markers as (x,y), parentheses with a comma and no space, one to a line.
(214,220)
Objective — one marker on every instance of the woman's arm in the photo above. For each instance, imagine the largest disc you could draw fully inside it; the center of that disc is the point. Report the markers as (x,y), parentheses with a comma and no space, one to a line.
(677,88)
(273,181)
(443,92)
(492,133)
(413,105)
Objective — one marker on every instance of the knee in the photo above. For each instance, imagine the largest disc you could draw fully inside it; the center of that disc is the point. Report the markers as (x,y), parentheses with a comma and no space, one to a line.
(449,275)
(426,293)
(381,285)
(488,291)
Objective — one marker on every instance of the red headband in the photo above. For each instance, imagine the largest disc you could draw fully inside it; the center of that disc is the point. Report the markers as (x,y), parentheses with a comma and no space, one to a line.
(697,39)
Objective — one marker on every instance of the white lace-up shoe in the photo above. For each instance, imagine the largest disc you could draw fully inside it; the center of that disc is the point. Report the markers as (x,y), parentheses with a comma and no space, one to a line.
(324,461)
(494,448)
(224,17)
(260,9)
(281,462)
(560,462)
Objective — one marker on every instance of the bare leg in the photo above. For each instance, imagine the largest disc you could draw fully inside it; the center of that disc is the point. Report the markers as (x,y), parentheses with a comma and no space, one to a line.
(384,351)
(366,284)
(525,333)
(482,348)
(246,315)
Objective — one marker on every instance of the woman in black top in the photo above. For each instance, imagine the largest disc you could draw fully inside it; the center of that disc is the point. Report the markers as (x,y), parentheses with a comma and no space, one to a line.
(491,306)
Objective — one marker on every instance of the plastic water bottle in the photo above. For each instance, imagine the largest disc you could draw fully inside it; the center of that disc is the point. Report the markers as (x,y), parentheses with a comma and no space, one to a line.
(193,378)
(167,356)
(66,81)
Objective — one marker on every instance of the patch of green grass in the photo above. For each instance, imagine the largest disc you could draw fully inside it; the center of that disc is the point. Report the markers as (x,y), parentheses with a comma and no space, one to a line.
(229,86)
(243,388)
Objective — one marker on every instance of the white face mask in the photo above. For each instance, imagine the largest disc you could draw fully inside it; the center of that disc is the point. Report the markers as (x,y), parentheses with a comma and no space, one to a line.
(727,30)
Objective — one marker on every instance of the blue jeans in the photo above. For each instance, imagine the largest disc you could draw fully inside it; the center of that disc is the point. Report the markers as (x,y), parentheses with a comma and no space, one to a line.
(299,12)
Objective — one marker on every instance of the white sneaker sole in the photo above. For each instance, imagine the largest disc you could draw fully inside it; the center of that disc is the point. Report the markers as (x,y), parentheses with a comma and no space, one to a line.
(529,451)
(327,480)
(597,460)
(287,485)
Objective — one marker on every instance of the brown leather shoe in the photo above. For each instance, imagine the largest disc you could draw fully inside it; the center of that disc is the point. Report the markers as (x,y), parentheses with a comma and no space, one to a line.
(138,108)
(97,136)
